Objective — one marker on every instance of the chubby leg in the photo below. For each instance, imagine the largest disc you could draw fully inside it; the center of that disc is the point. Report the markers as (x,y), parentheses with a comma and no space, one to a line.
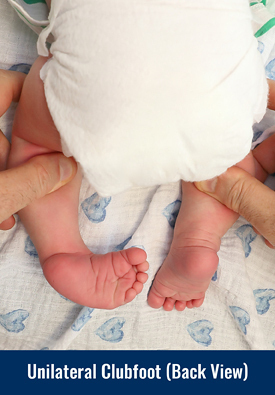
(192,260)
(100,281)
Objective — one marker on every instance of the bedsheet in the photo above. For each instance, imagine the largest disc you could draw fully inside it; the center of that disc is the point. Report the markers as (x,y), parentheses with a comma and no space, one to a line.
(239,309)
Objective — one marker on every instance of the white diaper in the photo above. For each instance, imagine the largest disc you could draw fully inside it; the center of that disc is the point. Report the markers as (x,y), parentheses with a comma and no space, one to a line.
(153,91)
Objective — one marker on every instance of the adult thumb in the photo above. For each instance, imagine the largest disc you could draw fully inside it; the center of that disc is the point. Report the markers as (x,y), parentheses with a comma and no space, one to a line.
(32,180)
(245,195)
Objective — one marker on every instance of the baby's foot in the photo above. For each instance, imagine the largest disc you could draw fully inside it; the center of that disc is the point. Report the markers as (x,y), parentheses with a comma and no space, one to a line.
(185,274)
(99,281)
(192,260)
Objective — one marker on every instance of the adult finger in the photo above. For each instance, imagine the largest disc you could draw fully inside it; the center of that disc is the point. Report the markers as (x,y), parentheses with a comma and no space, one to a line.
(247,196)
(4,151)
(11,83)
(32,180)
(8,223)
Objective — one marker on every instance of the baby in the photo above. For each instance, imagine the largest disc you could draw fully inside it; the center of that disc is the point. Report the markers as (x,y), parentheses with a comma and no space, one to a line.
(162,97)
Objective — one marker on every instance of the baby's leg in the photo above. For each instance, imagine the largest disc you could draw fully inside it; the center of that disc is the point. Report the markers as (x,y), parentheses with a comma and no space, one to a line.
(100,281)
(192,260)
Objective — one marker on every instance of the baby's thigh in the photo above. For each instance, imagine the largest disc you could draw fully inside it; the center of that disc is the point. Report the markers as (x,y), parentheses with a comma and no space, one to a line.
(33,121)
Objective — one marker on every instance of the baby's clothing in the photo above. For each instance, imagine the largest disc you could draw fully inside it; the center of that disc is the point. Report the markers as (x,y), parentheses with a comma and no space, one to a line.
(149,92)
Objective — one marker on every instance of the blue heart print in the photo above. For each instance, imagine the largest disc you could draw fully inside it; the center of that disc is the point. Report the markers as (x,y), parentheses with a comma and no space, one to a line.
(94,208)
(111,331)
(22,67)
(63,297)
(241,317)
(30,248)
(83,317)
(200,332)
(215,276)
(13,321)
(246,234)
(263,297)
(171,212)
(270,70)
(257,134)
(121,246)
(261,47)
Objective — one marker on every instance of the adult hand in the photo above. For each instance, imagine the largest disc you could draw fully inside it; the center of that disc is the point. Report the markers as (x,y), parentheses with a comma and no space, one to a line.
(245,194)
(34,179)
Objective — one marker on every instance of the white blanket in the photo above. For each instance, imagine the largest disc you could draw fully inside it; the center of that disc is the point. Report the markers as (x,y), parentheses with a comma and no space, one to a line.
(238,312)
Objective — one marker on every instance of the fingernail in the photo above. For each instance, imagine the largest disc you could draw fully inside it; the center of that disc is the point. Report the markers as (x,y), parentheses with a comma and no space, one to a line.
(66,168)
(207,185)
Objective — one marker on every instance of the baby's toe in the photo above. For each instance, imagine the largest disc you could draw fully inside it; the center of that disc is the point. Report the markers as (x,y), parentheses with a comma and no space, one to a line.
(135,256)
(138,287)
(130,295)
(154,300)
(179,305)
(168,305)
(194,303)
(198,302)
(142,267)
(142,277)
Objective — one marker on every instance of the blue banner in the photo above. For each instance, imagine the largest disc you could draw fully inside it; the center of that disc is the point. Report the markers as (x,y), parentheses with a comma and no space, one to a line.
(49,372)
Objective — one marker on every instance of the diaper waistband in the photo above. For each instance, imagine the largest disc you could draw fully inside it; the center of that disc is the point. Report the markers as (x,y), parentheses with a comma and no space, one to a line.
(35,14)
